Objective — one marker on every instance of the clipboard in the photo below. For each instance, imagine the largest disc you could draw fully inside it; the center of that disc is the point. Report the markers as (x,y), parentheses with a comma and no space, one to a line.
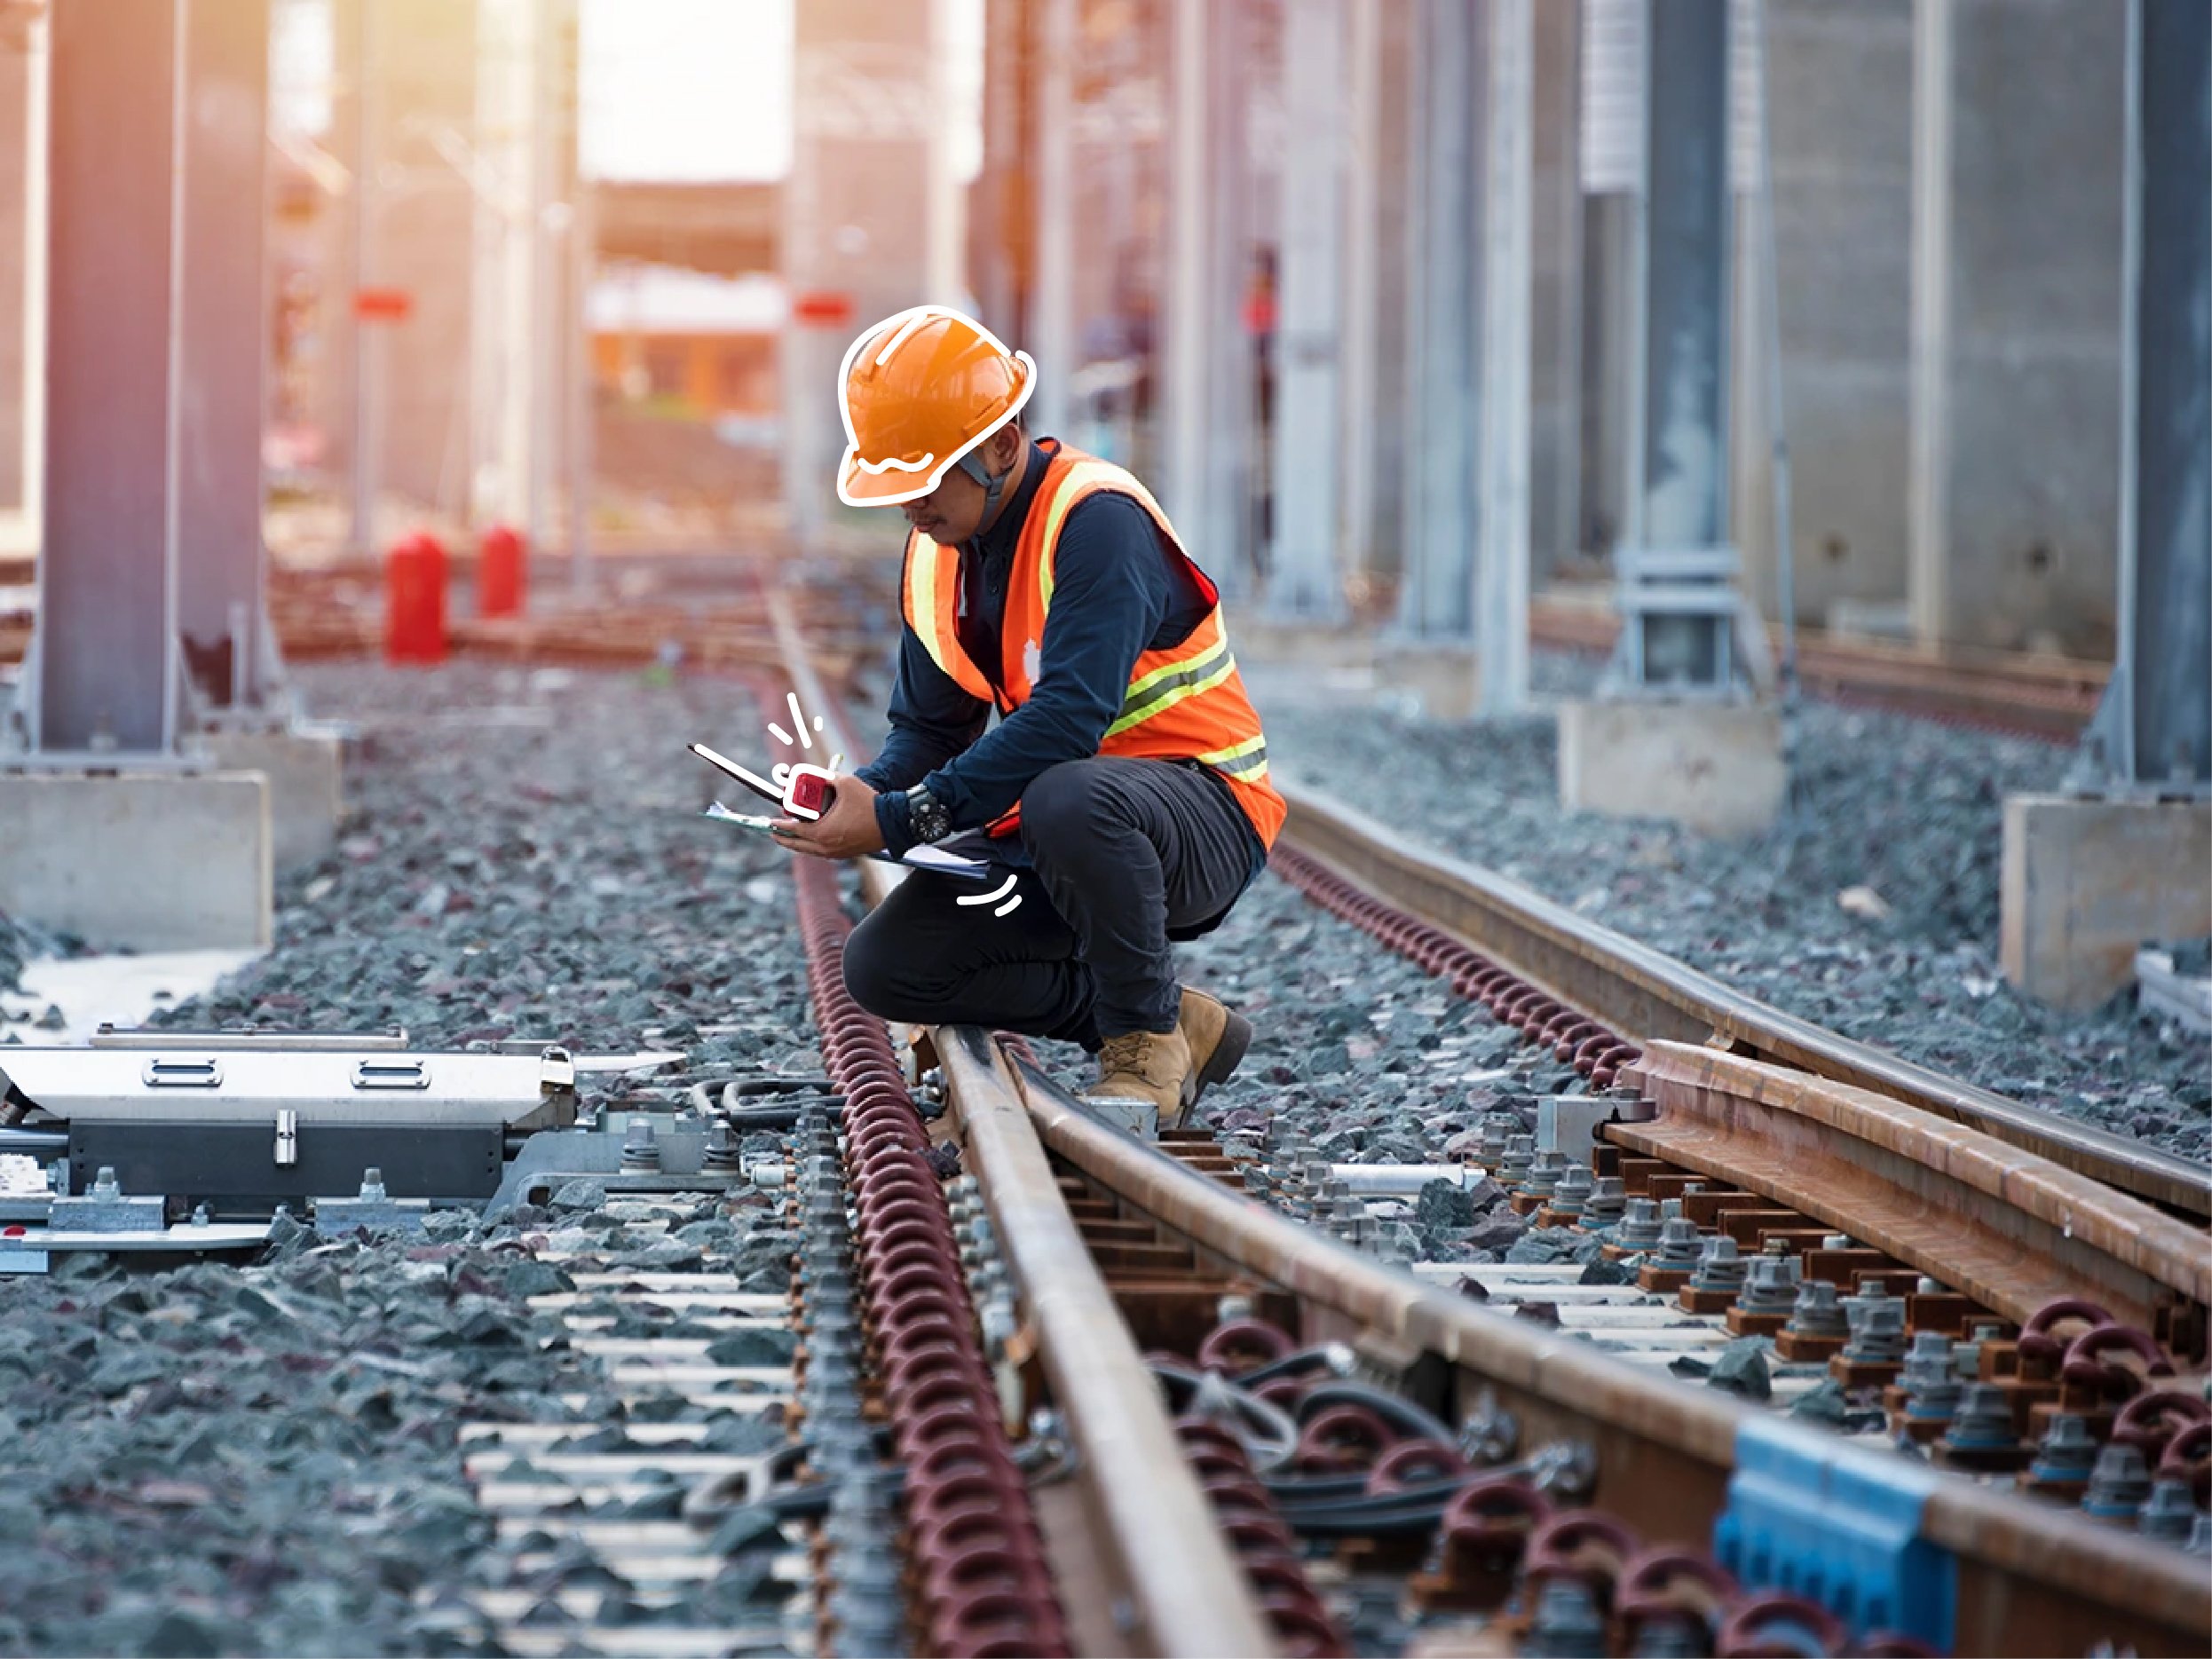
(936,860)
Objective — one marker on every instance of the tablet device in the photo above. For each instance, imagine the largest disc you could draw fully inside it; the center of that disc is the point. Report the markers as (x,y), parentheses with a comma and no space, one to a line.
(752,781)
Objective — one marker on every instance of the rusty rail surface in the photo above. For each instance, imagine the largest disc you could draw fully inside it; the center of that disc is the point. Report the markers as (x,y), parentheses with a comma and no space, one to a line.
(1652,997)
(1167,1558)
(2031,1579)
(2011,1230)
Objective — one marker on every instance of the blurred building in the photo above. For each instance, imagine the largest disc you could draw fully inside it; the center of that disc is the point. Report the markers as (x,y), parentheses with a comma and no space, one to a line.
(698,346)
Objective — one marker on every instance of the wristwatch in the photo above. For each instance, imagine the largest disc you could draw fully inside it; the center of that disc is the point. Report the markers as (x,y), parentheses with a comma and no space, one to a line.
(928,815)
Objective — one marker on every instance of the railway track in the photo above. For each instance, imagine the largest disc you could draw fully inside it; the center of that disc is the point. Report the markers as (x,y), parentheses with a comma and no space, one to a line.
(1493,1478)
(1039,1387)
(1616,983)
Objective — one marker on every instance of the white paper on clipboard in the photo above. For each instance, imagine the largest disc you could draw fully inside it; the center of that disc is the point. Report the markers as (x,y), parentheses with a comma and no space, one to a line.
(932,858)
(722,814)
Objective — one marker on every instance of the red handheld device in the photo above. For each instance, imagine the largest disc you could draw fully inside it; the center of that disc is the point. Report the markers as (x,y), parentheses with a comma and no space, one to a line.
(808,793)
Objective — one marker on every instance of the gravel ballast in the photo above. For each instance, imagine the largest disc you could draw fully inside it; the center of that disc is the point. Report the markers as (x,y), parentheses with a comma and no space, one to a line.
(261,1457)
(1871,908)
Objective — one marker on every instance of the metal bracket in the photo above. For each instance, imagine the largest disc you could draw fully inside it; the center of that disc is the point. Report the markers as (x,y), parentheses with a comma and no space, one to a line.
(1840,1524)
(286,1138)
(104,1208)
(1685,629)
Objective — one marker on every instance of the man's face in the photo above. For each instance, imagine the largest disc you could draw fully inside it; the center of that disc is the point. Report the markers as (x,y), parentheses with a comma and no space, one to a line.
(953,512)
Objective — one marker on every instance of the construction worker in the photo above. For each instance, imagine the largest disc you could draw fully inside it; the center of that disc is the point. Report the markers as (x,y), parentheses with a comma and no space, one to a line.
(1126,778)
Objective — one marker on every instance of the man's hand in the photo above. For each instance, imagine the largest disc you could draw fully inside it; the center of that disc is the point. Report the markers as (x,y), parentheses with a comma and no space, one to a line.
(846,831)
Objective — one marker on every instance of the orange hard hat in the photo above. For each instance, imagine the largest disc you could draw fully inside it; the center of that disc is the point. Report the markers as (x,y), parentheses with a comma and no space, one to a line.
(919,390)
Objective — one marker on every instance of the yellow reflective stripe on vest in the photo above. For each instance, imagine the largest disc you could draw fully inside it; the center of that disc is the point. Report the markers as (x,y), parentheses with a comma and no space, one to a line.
(1077,482)
(1171,683)
(1247,759)
(922,597)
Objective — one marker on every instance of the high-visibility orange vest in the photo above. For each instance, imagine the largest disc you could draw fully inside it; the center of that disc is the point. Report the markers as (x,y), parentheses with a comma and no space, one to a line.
(1184,703)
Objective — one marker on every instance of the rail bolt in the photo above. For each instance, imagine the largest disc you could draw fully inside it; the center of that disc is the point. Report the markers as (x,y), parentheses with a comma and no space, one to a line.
(2119,1484)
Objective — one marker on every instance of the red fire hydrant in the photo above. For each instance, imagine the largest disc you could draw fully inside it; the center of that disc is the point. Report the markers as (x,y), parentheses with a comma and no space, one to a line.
(414,600)
(501,572)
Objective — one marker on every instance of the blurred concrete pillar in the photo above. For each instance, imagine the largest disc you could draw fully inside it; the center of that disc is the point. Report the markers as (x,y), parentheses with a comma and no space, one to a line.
(1676,565)
(404,121)
(1359,406)
(15,157)
(1052,335)
(103,835)
(856,213)
(2153,732)
(1555,308)
(2015,301)
(1501,599)
(1208,394)
(498,162)
(1396,344)
(1679,494)
(2125,857)
(1839,84)
(338,408)
(1681,742)
(223,354)
(425,207)
(945,242)
(106,674)
(1305,582)
(1436,592)
(1609,129)
(998,218)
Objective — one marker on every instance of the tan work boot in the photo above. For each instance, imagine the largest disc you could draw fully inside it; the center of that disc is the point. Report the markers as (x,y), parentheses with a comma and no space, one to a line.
(1218,1036)
(1152,1068)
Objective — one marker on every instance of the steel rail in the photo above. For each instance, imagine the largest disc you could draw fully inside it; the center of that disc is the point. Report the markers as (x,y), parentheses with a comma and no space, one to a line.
(1651,996)
(2026,1573)
(1665,1453)
(1172,1567)
(2011,1230)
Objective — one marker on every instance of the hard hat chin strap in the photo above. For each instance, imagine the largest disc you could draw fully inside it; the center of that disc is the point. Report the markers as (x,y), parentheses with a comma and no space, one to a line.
(971,463)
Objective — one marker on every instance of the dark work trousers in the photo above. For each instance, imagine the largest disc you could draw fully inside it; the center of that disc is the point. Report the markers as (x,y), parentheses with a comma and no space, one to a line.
(1126,852)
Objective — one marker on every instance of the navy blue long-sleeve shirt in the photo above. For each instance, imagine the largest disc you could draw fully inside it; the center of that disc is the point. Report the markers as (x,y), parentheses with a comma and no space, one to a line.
(1116,593)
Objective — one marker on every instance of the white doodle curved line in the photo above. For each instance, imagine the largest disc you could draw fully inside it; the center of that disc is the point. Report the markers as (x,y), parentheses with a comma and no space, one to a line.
(1007,909)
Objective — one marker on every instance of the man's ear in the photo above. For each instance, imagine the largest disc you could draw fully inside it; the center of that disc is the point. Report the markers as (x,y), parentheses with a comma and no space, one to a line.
(1005,445)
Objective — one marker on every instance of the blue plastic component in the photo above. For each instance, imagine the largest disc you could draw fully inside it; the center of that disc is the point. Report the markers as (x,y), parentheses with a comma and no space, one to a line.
(1840,1524)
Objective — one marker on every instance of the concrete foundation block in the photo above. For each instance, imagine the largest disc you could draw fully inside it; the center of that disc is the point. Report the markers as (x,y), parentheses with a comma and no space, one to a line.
(1715,768)
(143,861)
(2083,883)
(1442,677)
(1303,644)
(306,796)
